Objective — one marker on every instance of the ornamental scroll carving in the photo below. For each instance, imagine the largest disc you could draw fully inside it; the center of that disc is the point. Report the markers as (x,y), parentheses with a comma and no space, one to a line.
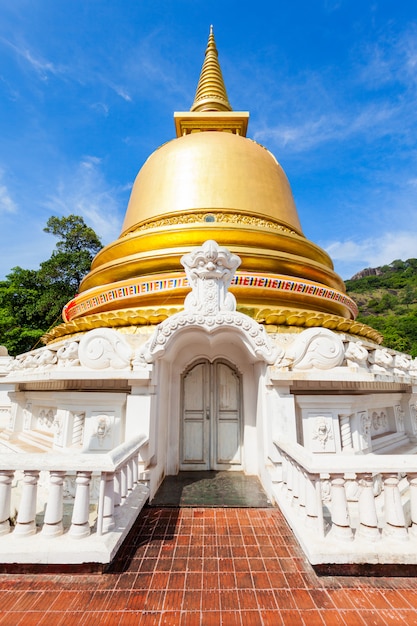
(104,348)
(315,348)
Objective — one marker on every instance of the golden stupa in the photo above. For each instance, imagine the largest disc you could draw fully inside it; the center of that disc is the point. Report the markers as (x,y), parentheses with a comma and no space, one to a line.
(211,182)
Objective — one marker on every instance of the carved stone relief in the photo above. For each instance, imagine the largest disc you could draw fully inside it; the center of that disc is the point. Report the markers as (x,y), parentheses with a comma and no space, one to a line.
(210,307)
(45,420)
(104,348)
(356,355)
(399,418)
(381,361)
(413,416)
(365,422)
(27,416)
(315,348)
(322,437)
(379,423)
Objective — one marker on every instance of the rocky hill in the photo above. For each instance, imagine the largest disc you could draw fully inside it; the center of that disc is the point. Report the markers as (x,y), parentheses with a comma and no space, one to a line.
(387,301)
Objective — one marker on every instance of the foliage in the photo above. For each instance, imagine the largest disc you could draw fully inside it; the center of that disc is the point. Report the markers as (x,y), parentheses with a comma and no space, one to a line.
(387,301)
(31,301)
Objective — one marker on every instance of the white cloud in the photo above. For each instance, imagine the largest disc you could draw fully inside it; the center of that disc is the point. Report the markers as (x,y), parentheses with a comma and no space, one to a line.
(316,128)
(353,256)
(41,66)
(121,91)
(390,60)
(7,204)
(91,197)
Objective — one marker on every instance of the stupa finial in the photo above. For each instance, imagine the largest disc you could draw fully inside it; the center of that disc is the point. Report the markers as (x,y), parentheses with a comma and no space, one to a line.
(211,92)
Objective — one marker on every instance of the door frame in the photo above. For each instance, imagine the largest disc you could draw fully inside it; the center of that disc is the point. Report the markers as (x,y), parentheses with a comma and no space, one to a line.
(213,427)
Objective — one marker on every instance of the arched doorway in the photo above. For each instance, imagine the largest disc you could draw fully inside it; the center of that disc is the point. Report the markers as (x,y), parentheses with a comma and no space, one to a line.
(211,429)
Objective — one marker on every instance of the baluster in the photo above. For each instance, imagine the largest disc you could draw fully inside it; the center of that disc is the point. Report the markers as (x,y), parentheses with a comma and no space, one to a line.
(295,485)
(26,524)
(129,476)
(117,488)
(311,500)
(413,503)
(284,472)
(52,524)
(135,473)
(80,526)
(340,515)
(302,480)
(290,479)
(105,517)
(6,479)
(123,484)
(394,514)
(368,519)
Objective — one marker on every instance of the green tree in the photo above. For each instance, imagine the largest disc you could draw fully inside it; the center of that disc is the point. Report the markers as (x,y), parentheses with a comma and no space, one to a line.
(31,301)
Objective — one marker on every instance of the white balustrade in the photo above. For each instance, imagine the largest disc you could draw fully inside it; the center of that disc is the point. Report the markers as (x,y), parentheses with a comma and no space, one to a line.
(355,515)
(118,471)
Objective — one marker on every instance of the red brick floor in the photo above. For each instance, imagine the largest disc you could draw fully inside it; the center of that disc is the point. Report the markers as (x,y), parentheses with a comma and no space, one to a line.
(207,566)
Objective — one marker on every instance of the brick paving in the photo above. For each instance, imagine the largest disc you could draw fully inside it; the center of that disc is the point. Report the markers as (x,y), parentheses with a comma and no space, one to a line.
(209,567)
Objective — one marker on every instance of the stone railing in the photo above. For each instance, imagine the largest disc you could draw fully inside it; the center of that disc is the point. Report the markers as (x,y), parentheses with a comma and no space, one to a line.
(118,475)
(356,508)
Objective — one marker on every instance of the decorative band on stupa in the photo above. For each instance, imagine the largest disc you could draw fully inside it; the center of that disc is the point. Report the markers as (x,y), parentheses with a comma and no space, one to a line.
(134,291)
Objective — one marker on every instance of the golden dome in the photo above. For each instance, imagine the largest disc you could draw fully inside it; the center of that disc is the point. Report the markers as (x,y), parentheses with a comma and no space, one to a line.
(211,182)
(211,171)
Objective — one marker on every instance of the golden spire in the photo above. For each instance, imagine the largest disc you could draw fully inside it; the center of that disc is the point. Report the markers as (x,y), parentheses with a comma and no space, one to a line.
(211,92)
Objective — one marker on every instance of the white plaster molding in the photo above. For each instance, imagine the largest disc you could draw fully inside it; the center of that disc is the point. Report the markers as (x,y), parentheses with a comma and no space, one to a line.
(104,348)
(253,334)
(67,354)
(381,361)
(318,348)
(356,355)
(210,307)
(402,363)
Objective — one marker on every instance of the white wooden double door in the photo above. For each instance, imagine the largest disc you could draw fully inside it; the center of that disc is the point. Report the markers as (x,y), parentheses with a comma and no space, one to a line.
(211,417)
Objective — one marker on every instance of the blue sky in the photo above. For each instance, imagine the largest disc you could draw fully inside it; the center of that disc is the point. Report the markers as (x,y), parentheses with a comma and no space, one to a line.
(88,89)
